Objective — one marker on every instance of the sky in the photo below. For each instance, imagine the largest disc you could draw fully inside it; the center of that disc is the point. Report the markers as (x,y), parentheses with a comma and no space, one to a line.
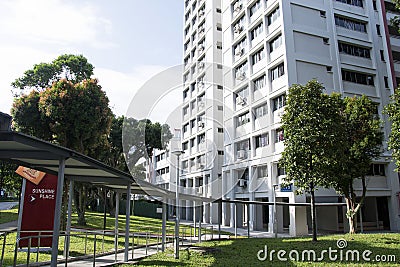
(127,41)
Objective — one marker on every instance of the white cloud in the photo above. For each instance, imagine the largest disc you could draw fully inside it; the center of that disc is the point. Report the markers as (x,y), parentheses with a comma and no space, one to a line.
(54,21)
(121,87)
(14,61)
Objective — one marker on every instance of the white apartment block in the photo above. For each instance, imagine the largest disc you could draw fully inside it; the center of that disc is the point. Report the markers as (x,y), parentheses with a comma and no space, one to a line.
(231,131)
(272,45)
(202,108)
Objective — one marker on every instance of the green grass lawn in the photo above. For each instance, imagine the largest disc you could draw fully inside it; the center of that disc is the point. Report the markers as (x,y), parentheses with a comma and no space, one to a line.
(83,244)
(8,215)
(243,252)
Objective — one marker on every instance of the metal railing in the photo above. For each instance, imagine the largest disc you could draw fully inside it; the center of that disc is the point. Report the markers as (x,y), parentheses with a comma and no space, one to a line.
(96,242)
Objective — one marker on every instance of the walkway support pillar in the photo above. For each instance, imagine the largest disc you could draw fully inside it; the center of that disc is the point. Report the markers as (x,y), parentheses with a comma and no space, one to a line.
(57,212)
(68,230)
(127,222)
(219,218)
(164,225)
(116,225)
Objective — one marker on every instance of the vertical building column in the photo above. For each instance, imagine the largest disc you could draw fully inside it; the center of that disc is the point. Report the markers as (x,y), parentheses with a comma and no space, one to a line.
(298,216)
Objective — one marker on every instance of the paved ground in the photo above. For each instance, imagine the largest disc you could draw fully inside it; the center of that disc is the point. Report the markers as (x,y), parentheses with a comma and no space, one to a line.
(7,205)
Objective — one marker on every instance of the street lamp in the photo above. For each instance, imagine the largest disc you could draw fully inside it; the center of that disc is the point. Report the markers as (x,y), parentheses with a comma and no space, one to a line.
(275,221)
(177,153)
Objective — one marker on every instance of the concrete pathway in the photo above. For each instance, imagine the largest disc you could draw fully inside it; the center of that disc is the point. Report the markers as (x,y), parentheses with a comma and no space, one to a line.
(7,205)
(9,226)
(239,231)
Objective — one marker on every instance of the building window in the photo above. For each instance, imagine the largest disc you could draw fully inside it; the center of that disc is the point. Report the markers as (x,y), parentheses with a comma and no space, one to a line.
(260,111)
(241,96)
(185,93)
(382,53)
(279,135)
(262,171)
(273,16)
(254,8)
(378,29)
(386,80)
(280,170)
(238,26)
(185,145)
(185,110)
(219,45)
(277,72)
(376,169)
(260,82)
(240,48)
(243,145)
(257,31)
(185,127)
(262,140)
(352,2)
(357,77)
(243,119)
(351,24)
(220,152)
(354,50)
(258,56)
(219,10)
(275,43)
(193,123)
(240,71)
(278,102)
(220,130)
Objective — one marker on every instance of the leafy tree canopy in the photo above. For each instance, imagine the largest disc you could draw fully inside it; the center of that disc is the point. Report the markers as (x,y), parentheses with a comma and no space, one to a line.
(74,68)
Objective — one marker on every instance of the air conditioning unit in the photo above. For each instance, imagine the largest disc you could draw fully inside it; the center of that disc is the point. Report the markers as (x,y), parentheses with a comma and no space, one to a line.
(200,84)
(201,13)
(199,190)
(201,48)
(238,29)
(241,154)
(240,75)
(238,6)
(201,104)
(241,101)
(200,166)
(242,183)
(200,124)
(239,51)
(201,65)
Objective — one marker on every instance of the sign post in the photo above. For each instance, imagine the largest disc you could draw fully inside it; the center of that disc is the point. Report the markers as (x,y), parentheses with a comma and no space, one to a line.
(37,207)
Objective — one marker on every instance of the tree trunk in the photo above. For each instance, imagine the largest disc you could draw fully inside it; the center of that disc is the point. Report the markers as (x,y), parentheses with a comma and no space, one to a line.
(313,213)
(352,208)
(80,204)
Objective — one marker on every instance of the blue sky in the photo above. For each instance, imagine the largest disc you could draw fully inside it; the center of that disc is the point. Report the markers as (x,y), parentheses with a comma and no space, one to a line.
(128,41)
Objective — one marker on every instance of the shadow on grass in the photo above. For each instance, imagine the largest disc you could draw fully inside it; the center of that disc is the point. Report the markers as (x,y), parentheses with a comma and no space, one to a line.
(245,252)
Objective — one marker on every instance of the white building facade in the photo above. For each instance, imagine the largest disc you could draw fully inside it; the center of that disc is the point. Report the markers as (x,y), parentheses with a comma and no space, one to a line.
(231,131)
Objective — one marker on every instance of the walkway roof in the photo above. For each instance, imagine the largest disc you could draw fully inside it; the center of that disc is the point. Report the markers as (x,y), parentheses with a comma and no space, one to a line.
(37,154)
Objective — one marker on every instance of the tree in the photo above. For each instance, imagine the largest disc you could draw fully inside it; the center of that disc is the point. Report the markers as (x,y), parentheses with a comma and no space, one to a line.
(9,180)
(393,111)
(311,124)
(140,138)
(363,143)
(76,116)
(74,68)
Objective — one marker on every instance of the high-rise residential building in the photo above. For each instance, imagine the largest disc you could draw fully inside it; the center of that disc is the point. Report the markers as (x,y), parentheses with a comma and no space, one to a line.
(202,108)
(240,58)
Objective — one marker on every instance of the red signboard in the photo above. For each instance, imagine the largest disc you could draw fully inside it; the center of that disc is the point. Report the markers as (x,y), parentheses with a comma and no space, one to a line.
(38,211)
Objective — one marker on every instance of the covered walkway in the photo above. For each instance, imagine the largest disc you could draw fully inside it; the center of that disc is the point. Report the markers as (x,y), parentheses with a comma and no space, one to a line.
(67,164)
